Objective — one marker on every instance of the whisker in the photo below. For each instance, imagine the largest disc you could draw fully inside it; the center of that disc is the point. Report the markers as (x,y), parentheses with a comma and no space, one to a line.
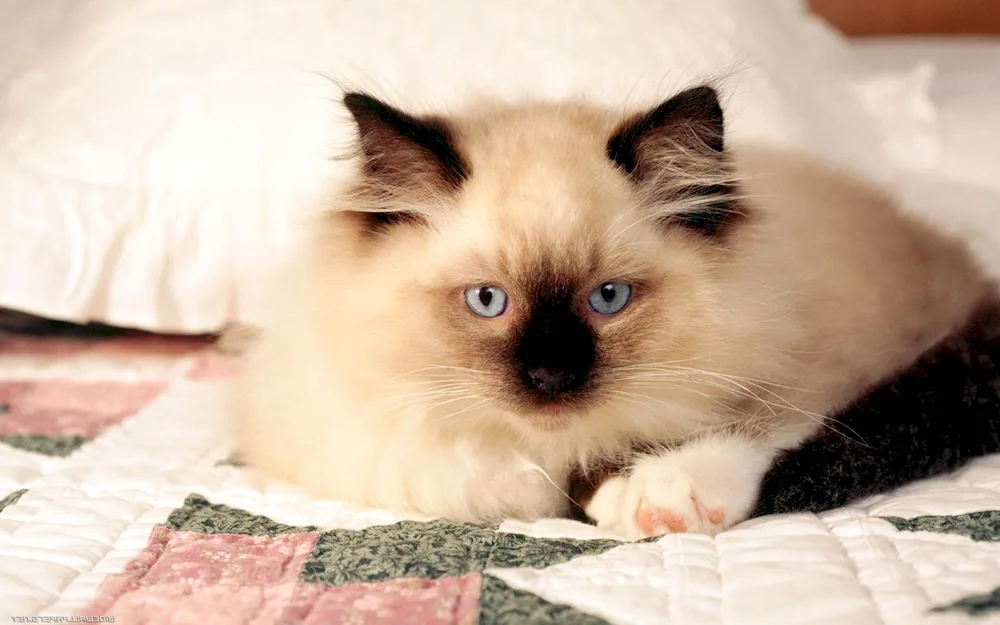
(425,368)
(741,386)
(565,494)
(425,395)
(452,415)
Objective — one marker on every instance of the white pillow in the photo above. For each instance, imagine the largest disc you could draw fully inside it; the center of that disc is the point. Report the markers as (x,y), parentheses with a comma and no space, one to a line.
(963,87)
(155,154)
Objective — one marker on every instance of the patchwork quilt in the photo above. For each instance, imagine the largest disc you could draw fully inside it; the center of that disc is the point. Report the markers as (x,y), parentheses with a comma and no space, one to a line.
(120,502)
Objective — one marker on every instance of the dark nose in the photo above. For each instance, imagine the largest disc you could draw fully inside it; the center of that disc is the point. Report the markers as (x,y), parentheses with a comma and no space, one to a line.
(556,351)
(549,382)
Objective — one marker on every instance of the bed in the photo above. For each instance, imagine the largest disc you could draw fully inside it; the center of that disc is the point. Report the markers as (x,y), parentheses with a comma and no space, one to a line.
(122,503)
(121,500)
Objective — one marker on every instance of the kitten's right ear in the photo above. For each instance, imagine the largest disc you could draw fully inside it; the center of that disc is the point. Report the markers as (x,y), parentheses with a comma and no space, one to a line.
(402,153)
(676,153)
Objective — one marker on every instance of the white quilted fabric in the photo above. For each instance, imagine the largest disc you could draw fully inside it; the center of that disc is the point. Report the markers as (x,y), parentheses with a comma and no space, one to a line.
(154,154)
(85,517)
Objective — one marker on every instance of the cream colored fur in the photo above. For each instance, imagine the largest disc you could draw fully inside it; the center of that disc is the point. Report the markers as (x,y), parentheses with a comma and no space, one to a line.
(357,392)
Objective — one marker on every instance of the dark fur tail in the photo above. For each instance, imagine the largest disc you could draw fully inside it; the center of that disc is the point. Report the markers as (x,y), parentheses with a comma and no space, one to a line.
(934,417)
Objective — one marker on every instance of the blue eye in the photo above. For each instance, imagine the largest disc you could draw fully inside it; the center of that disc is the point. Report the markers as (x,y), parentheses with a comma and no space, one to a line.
(486,301)
(610,298)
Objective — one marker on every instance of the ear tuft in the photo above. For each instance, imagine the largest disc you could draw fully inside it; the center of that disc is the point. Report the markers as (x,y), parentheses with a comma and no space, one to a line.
(676,153)
(374,224)
(691,121)
(404,153)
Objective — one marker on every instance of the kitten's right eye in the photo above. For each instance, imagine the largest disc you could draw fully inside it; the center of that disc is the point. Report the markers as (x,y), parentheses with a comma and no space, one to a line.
(486,301)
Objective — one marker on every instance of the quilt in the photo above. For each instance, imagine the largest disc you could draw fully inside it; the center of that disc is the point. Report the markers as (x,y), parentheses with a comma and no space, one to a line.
(121,501)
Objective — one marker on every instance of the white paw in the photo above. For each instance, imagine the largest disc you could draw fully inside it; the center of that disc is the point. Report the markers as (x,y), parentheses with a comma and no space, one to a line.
(701,489)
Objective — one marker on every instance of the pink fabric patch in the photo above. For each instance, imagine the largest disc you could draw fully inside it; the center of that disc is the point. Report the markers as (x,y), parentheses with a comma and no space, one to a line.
(223,579)
(23,344)
(151,345)
(134,345)
(212,365)
(11,391)
(63,408)
(446,601)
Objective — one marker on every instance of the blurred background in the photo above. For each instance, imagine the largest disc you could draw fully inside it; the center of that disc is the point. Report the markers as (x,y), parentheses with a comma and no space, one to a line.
(911,17)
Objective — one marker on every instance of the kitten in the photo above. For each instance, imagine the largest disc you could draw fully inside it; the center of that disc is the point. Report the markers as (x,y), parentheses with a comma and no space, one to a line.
(506,295)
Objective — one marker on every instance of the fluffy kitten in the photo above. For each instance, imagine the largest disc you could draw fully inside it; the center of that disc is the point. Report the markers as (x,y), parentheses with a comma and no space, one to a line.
(506,295)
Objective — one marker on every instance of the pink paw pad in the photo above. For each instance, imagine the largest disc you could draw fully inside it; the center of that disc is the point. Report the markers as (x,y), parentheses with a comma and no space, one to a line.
(656,521)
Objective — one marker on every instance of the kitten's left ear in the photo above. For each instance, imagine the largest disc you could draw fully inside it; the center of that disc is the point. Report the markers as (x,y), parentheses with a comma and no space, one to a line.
(676,153)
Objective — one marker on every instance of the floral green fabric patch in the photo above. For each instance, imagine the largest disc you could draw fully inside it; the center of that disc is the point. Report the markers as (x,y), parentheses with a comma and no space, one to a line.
(975,605)
(233,460)
(60,446)
(433,550)
(200,515)
(409,550)
(502,605)
(429,550)
(520,551)
(12,498)
(979,526)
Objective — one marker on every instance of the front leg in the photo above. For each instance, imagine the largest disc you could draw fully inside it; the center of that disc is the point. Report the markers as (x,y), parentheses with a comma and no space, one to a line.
(704,486)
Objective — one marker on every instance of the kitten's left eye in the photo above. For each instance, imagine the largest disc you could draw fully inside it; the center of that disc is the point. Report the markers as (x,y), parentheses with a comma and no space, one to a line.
(486,301)
(610,298)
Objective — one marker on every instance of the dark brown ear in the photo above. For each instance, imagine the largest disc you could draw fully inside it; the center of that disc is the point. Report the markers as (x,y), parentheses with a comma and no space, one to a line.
(676,152)
(403,153)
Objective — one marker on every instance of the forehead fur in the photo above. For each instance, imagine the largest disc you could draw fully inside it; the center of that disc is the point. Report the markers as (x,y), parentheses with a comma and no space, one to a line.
(567,189)
(541,163)
(543,195)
